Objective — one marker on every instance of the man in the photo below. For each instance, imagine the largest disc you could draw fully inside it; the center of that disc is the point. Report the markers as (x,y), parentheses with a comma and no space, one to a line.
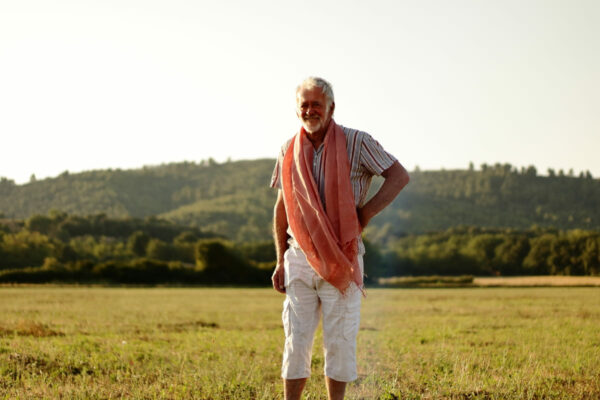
(323,174)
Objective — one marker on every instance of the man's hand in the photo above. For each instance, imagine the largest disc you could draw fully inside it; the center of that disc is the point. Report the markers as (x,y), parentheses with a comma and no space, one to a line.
(278,279)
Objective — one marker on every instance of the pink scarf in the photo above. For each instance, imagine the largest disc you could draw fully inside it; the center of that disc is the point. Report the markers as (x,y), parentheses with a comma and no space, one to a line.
(328,238)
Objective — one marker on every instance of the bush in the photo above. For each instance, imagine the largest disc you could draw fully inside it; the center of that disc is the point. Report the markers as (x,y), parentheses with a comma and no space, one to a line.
(221,263)
(427,281)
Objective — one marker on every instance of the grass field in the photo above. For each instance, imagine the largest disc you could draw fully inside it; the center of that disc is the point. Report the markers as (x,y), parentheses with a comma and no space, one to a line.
(179,343)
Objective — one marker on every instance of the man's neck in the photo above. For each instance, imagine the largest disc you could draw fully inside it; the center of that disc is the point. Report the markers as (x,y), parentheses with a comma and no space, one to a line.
(317,138)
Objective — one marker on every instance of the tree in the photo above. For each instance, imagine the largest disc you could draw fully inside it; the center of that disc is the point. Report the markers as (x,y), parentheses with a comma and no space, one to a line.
(159,250)
(509,255)
(536,261)
(481,249)
(40,223)
(560,260)
(258,251)
(220,263)
(137,243)
(25,249)
(372,262)
(531,171)
(590,257)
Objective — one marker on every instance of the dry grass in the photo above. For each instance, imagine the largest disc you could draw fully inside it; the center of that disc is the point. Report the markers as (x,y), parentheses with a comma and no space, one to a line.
(209,344)
(28,328)
(531,281)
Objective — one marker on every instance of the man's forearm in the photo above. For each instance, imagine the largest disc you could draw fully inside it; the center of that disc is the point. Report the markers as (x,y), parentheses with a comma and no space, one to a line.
(280,226)
(396,177)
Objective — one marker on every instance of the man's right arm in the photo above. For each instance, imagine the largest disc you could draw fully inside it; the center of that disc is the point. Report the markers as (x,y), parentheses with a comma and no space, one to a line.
(280,236)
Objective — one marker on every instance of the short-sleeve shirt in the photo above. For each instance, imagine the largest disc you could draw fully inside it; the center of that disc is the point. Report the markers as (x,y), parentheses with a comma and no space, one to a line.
(367,158)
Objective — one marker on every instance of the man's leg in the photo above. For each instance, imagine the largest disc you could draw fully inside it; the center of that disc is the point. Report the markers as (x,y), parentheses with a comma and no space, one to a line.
(293,388)
(335,389)
(341,315)
(300,320)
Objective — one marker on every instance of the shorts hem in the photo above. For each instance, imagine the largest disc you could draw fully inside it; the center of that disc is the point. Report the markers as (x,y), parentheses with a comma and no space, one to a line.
(297,377)
(344,379)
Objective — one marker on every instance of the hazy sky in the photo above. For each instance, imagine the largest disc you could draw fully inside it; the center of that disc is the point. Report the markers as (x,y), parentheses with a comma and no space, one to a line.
(124,83)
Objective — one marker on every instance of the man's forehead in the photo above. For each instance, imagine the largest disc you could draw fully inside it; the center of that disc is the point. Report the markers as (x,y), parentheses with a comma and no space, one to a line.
(313,93)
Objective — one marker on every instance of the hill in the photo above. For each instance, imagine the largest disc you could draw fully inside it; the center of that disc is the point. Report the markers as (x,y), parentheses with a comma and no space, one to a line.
(234,199)
(498,196)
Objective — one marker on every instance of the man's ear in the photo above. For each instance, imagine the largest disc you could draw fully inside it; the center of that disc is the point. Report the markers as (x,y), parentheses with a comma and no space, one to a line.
(332,108)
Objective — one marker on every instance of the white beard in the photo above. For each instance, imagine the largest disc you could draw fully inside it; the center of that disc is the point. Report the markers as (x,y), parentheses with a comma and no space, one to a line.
(312,126)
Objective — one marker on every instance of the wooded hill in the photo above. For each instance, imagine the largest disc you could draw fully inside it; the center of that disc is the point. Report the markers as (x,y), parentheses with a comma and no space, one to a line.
(233,198)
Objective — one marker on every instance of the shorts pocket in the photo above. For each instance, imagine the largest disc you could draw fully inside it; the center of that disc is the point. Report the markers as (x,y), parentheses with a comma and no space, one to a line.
(351,319)
(285,317)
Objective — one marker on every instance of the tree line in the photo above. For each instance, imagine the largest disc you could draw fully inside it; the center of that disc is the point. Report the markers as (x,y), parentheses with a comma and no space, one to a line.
(99,249)
(488,252)
(233,198)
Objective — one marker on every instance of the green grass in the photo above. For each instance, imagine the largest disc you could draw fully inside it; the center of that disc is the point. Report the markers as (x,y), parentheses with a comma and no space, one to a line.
(172,343)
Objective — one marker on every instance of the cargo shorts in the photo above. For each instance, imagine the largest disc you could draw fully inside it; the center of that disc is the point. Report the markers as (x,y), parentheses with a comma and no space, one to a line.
(307,298)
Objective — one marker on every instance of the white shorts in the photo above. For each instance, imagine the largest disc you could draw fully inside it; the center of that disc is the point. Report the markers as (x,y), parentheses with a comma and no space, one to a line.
(302,309)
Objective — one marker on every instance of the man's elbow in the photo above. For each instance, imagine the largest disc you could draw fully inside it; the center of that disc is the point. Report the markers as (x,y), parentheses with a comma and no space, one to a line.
(404,178)
(398,175)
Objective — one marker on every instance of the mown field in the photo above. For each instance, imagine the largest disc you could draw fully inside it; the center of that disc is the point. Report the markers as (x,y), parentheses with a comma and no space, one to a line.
(199,343)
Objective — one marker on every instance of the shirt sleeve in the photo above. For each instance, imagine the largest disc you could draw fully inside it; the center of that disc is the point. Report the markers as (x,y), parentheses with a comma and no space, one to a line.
(373,157)
(276,176)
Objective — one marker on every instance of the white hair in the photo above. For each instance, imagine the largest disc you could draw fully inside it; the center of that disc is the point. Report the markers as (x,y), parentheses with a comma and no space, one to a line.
(312,82)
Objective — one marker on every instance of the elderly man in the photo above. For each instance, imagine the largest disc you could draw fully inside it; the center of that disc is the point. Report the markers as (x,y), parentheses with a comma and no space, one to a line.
(323,174)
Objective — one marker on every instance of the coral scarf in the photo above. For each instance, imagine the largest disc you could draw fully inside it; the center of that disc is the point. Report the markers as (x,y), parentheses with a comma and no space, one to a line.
(328,238)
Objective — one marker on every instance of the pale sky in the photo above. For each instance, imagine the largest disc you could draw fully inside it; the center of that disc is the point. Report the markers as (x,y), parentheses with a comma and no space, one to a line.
(125,83)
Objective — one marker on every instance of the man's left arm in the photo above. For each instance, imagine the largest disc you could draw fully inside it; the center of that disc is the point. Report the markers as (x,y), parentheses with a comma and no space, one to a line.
(396,177)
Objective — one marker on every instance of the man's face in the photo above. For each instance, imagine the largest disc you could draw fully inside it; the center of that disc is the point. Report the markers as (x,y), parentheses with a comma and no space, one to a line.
(311,108)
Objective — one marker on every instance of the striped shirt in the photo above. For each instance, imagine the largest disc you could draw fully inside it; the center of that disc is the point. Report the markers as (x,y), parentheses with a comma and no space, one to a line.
(367,158)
